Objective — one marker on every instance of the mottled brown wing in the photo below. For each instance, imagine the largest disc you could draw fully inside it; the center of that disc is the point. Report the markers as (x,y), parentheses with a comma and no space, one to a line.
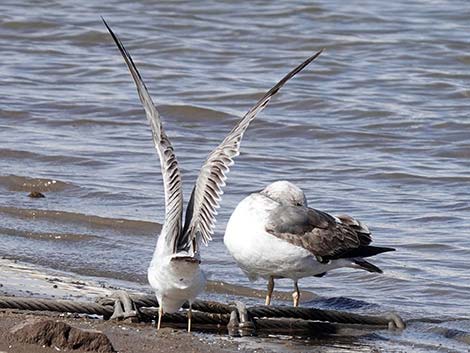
(361,229)
(313,230)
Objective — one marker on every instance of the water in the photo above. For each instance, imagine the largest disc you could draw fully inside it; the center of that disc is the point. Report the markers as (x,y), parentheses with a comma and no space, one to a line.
(377,127)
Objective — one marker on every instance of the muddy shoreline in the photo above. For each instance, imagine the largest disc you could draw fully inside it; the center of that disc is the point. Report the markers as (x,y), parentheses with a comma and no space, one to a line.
(128,337)
(125,337)
(23,280)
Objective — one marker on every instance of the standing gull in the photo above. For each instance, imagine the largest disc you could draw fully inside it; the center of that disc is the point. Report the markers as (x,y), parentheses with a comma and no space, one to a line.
(174,271)
(274,234)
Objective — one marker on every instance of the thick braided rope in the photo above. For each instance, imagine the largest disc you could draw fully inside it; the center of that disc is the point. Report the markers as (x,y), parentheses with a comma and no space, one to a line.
(55,305)
(217,313)
(199,305)
(295,326)
(196,317)
(316,314)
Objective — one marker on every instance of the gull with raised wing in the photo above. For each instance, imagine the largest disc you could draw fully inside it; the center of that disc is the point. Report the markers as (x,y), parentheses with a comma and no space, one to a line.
(274,234)
(174,272)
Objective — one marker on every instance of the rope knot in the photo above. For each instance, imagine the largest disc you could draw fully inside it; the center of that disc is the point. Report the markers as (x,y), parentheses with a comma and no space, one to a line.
(240,323)
(124,306)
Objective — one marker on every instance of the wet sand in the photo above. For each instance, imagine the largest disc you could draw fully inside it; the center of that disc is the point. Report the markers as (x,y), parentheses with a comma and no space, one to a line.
(144,338)
(125,337)
(20,279)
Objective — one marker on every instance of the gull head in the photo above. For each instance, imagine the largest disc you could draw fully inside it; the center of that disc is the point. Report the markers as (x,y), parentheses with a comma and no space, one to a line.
(285,193)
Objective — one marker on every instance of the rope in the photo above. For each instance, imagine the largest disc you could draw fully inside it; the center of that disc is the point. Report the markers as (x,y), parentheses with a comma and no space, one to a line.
(55,305)
(210,307)
(182,318)
(150,301)
(218,322)
(208,315)
(294,327)
(325,315)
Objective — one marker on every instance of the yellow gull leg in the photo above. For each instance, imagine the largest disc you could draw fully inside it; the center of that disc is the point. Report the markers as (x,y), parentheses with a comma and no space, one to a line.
(190,314)
(160,314)
(270,290)
(296,294)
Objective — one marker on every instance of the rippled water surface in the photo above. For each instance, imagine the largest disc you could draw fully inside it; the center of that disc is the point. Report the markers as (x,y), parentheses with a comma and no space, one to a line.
(378,127)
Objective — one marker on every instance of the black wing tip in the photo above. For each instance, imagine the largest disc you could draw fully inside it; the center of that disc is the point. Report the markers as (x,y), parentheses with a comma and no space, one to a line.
(370,250)
(366,265)
(362,251)
(106,24)
(113,35)
(311,58)
(318,53)
(384,249)
(284,80)
(125,54)
(116,39)
(304,63)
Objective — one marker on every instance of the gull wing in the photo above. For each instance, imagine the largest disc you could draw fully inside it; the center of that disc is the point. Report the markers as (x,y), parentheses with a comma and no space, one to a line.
(207,192)
(168,162)
(314,230)
(325,236)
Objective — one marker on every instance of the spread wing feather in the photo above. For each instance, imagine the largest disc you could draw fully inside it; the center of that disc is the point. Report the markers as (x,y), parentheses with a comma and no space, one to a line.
(169,164)
(207,192)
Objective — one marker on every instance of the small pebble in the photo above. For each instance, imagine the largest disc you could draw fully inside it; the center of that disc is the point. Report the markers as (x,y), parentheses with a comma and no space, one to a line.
(36,194)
